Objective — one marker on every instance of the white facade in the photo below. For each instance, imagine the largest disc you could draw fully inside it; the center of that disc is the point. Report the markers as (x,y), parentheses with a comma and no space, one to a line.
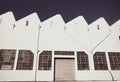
(53,34)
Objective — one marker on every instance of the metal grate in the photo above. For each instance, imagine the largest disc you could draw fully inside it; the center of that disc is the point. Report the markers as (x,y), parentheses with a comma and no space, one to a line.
(25,60)
(100,62)
(7,58)
(45,59)
(64,52)
(82,61)
(114,58)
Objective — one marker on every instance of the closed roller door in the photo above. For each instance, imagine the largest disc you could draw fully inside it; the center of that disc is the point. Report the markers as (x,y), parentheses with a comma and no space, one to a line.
(64,69)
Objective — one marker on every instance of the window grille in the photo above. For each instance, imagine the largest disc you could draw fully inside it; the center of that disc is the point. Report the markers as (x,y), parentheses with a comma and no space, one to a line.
(45,59)
(114,58)
(25,60)
(7,58)
(100,62)
(64,52)
(82,61)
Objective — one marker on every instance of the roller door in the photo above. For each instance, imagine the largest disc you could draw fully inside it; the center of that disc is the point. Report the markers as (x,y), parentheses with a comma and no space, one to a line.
(64,69)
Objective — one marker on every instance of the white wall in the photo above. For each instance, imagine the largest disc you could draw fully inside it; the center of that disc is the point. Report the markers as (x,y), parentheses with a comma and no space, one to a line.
(20,37)
(55,34)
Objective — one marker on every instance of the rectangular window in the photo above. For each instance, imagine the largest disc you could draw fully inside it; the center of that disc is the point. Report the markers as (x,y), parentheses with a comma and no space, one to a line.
(114,58)
(7,58)
(100,62)
(64,52)
(25,60)
(82,61)
(45,59)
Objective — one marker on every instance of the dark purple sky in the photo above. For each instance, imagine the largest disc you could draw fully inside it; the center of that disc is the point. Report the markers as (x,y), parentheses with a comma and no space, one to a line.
(69,9)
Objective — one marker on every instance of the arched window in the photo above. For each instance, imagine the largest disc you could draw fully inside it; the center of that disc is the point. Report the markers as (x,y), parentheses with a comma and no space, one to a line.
(114,58)
(82,61)
(25,60)
(100,62)
(7,58)
(45,59)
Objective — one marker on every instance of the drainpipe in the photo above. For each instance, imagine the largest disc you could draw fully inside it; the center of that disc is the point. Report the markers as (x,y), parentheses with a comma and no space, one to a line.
(112,76)
(100,42)
(37,54)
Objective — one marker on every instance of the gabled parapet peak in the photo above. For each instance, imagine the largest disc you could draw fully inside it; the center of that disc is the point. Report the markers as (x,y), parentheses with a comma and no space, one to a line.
(30,20)
(56,17)
(78,20)
(33,19)
(100,23)
(53,21)
(7,18)
(78,23)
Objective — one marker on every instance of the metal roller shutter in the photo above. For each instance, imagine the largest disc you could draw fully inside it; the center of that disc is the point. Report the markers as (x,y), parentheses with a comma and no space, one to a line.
(64,69)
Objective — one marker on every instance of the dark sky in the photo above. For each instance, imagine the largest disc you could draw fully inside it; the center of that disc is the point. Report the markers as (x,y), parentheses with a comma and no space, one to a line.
(69,9)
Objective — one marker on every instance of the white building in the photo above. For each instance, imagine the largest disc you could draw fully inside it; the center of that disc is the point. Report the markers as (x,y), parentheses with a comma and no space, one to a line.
(31,50)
